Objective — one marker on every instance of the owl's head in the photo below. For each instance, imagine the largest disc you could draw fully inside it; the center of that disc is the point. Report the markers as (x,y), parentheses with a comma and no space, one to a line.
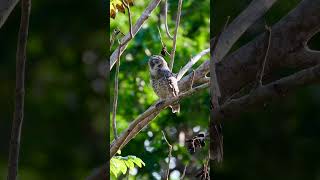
(157,62)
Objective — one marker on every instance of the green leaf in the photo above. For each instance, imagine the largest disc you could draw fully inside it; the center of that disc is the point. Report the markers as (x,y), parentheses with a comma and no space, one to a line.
(137,161)
(122,166)
(113,166)
(129,163)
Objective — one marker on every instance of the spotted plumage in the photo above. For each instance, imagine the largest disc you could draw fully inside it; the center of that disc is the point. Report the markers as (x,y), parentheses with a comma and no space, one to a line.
(164,82)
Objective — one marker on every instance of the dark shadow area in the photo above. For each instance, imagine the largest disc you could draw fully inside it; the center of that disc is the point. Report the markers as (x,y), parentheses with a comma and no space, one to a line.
(279,139)
(64,130)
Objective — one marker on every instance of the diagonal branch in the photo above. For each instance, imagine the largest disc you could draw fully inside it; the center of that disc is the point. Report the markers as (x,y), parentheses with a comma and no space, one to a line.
(145,15)
(153,110)
(272,90)
(192,61)
(20,91)
(238,26)
(287,50)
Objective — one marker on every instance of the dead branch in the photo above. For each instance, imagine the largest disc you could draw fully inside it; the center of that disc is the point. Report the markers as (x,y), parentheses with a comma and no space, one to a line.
(145,15)
(20,91)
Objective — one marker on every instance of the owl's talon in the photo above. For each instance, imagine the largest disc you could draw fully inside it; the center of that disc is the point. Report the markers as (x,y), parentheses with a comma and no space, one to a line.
(160,103)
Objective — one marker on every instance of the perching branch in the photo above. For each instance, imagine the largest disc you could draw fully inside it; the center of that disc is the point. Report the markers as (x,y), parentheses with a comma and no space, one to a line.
(6,8)
(145,15)
(20,91)
(153,110)
(173,51)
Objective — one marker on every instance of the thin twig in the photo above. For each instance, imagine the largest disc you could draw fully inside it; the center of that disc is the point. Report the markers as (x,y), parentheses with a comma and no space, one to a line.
(192,79)
(164,48)
(115,99)
(175,35)
(169,156)
(129,16)
(19,91)
(184,172)
(162,44)
(266,55)
(166,19)
(206,168)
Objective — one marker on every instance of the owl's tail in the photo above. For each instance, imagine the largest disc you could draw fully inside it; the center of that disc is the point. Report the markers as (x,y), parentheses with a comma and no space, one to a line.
(175,108)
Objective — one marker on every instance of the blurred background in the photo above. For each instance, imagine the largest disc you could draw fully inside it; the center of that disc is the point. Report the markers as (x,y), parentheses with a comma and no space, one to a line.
(64,130)
(281,140)
(136,94)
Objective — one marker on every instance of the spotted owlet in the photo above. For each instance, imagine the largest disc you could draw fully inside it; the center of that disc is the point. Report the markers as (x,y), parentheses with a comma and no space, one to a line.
(164,82)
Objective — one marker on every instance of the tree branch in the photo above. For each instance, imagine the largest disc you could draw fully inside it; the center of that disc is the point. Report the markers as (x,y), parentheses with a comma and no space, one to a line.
(272,90)
(20,91)
(260,77)
(238,26)
(152,111)
(145,15)
(169,156)
(115,99)
(166,19)
(129,17)
(191,62)
(287,49)
(6,8)
(175,35)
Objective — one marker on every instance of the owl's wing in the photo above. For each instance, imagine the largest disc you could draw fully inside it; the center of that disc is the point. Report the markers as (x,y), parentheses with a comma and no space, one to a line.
(172,83)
